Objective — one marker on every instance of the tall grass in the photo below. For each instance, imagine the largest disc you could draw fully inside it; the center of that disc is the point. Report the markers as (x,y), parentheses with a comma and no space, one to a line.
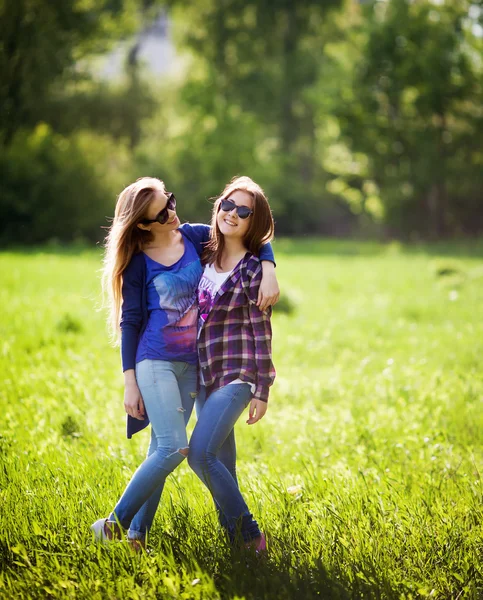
(365,472)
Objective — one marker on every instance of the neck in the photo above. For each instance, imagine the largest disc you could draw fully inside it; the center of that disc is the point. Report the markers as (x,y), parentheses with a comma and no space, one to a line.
(163,239)
(233,248)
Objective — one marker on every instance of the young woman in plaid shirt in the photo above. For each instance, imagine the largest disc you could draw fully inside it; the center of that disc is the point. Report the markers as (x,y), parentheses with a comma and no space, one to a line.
(151,270)
(234,349)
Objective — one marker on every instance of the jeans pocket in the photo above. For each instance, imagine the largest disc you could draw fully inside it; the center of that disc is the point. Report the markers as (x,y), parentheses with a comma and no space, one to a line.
(243,393)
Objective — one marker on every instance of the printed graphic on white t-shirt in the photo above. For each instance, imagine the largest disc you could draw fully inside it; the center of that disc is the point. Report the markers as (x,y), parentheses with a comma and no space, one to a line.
(210,282)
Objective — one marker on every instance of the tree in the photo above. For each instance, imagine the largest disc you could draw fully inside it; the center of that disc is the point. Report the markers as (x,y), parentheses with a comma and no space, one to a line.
(250,98)
(415,112)
(60,170)
(43,41)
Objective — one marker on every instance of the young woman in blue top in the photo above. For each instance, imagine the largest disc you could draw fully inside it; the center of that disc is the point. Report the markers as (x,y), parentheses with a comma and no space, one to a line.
(151,273)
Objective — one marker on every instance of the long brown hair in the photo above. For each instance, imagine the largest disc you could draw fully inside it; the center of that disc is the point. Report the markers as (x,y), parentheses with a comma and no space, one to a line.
(125,239)
(261,227)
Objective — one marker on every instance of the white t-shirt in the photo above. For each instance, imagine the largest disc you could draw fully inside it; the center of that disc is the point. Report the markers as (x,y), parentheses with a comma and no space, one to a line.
(210,282)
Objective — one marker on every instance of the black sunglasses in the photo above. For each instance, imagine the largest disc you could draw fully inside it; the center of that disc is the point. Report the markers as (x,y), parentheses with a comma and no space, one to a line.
(163,214)
(242,211)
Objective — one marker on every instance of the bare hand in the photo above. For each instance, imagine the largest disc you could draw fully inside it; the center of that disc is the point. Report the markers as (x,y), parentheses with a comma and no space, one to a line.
(257,409)
(269,292)
(133,401)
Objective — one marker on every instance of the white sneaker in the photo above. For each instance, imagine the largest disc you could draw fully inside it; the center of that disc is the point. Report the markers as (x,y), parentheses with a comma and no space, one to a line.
(99,531)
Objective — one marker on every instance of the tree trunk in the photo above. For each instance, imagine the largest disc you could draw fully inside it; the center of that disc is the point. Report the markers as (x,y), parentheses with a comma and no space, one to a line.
(438,197)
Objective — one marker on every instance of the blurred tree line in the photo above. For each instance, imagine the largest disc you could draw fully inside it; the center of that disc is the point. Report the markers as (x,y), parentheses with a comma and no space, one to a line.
(357,118)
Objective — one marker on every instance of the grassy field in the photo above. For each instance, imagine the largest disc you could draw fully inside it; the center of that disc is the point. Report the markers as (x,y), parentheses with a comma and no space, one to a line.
(365,473)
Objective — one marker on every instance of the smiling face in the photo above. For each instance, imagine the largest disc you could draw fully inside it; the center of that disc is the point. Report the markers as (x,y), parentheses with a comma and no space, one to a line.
(159,203)
(229,223)
(228,226)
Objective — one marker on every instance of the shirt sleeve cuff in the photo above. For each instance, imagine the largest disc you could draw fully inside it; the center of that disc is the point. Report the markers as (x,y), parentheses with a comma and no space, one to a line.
(261,393)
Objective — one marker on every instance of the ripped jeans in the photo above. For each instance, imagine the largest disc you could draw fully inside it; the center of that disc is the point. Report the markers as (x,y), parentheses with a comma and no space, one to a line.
(168,390)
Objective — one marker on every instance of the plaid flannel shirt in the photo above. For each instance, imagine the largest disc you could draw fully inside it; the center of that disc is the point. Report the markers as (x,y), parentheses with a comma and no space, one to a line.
(236,339)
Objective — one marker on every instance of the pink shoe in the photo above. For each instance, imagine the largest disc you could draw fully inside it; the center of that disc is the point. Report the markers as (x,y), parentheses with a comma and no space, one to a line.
(259,545)
(262,545)
(137,546)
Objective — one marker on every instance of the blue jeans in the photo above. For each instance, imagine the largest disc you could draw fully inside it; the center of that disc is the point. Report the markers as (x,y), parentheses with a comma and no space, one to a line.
(168,390)
(212,456)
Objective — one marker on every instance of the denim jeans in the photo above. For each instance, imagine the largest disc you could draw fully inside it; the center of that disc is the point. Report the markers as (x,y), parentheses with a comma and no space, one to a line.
(168,390)
(212,456)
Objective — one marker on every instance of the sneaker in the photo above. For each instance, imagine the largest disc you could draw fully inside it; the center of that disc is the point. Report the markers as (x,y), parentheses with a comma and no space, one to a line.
(138,546)
(262,545)
(105,532)
(259,545)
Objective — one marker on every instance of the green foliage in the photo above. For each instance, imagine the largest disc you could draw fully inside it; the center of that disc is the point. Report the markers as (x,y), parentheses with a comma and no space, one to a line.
(63,138)
(250,103)
(354,117)
(68,324)
(70,427)
(367,115)
(413,112)
(115,110)
(286,304)
(365,473)
(41,41)
(53,187)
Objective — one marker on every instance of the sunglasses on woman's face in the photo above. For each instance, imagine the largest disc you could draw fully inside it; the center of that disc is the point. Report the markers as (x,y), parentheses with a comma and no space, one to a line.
(242,211)
(163,214)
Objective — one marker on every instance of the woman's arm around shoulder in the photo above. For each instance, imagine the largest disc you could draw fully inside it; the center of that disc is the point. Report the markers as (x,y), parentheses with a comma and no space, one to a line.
(197,233)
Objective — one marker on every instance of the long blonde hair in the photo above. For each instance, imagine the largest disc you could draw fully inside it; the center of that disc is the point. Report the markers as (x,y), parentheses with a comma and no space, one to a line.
(125,239)
(261,227)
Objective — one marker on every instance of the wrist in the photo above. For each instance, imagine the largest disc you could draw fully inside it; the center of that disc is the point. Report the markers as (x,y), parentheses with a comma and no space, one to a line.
(130,377)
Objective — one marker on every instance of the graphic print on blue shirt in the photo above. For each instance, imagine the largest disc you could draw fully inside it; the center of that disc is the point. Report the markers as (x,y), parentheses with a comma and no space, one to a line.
(171,297)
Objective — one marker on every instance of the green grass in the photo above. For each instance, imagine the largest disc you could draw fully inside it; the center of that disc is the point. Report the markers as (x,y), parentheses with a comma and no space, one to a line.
(365,472)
